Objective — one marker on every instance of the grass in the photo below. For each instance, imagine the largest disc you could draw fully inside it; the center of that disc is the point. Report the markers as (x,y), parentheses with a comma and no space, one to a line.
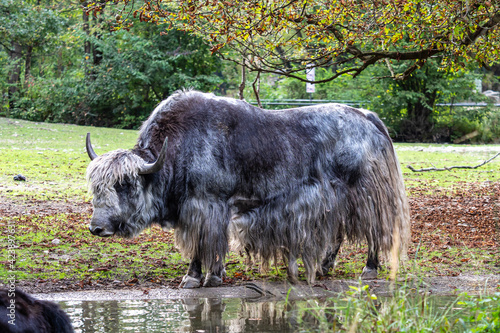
(53,158)
(439,156)
(59,247)
(359,310)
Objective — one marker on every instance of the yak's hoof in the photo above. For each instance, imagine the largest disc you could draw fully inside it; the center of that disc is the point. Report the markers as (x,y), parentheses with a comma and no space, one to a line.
(293,279)
(369,273)
(189,282)
(324,270)
(212,280)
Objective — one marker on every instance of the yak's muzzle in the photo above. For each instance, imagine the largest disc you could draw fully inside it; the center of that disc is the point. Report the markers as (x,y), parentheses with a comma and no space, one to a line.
(98,231)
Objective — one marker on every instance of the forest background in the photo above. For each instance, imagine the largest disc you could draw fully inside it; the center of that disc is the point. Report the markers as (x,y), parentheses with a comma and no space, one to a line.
(60,62)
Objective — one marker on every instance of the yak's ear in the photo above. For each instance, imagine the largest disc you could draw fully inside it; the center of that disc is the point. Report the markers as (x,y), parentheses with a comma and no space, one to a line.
(155,166)
(90,150)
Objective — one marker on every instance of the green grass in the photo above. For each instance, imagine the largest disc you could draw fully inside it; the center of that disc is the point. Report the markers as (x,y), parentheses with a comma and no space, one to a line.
(52,157)
(60,247)
(426,156)
(359,310)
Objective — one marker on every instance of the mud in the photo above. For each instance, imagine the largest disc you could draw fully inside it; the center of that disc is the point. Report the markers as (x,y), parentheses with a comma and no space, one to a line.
(443,286)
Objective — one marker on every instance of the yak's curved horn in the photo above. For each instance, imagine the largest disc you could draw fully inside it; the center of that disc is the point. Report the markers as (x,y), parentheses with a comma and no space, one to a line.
(155,166)
(90,150)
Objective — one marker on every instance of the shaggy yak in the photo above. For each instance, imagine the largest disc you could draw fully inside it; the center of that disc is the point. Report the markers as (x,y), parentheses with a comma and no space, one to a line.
(283,184)
(21,313)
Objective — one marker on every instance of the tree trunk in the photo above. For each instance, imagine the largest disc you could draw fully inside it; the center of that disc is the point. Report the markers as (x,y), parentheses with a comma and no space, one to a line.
(96,53)
(417,126)
(243,79)
(15,55)
(87,49)
(27,66)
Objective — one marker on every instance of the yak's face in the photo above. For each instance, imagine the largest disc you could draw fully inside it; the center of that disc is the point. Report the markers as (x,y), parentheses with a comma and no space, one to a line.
(122,201)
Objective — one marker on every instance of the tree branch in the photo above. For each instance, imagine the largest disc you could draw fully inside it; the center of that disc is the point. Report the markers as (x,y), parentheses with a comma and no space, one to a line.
(256,89)
(452,167)
(482,30)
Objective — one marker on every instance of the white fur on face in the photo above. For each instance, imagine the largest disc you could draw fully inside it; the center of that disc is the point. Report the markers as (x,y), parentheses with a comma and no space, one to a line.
(129,214)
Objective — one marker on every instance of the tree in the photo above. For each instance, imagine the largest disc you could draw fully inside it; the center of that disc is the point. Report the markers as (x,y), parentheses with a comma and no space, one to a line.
(285,36)
(137,69)
(69,67)
(24,27)
(410,107)
(141,67)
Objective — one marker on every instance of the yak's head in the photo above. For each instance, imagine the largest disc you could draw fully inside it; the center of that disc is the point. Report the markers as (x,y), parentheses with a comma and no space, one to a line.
(123,203)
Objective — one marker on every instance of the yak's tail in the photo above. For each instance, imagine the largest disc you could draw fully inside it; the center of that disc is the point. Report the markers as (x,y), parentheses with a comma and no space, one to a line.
(379,204)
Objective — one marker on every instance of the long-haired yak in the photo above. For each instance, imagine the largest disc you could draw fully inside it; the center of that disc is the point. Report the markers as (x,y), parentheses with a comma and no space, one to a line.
(284,184)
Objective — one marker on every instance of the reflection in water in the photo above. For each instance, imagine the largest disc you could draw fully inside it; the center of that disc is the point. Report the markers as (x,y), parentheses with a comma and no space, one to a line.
(192,315)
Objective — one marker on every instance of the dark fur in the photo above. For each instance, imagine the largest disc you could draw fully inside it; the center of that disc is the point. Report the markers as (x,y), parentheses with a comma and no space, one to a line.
(32,315)
(290,183)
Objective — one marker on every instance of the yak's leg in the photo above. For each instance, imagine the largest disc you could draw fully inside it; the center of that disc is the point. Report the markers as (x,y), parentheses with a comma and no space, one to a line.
(248,260)
(311,267)
(205,222)
(372,264)
(329,260)
(194,275)
(217,272)
(292,269)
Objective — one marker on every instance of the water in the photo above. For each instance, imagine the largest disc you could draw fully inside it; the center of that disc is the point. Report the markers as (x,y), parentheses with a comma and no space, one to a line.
(218,314)
(187,315)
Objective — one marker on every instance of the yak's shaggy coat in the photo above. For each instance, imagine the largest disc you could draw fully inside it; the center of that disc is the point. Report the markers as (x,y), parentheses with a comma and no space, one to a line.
(290,183)
(21,313)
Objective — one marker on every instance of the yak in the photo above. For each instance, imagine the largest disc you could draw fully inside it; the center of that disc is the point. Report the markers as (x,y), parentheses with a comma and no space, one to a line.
(21,313)
(287,184)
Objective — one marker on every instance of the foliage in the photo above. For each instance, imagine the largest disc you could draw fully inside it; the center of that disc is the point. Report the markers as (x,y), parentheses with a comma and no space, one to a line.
(24,29)
(411,107)
(137,72)
(140,70)
(27,24)
(457,122)
(484,313)
(94,75)
(268,36)
(360,310)
(363,88)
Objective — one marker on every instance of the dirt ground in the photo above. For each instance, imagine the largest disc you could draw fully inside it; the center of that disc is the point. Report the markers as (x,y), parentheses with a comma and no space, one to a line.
(279,290)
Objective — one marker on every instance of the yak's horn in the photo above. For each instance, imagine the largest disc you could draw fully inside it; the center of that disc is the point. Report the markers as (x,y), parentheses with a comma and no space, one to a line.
(90,150)
(155,166)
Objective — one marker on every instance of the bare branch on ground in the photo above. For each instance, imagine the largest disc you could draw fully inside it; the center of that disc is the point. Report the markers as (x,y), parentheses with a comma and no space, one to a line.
(453,167)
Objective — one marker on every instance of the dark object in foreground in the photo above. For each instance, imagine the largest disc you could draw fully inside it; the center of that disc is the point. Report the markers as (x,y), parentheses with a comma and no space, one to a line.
(283,184)
(19,178)
(20,313)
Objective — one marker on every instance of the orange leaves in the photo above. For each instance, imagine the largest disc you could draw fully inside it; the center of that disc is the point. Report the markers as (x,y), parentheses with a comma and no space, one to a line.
(466,218)
(216,48)
(310,31)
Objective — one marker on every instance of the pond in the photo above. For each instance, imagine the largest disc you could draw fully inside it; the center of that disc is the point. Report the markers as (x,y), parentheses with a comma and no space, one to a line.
(243,309)
(189,315)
